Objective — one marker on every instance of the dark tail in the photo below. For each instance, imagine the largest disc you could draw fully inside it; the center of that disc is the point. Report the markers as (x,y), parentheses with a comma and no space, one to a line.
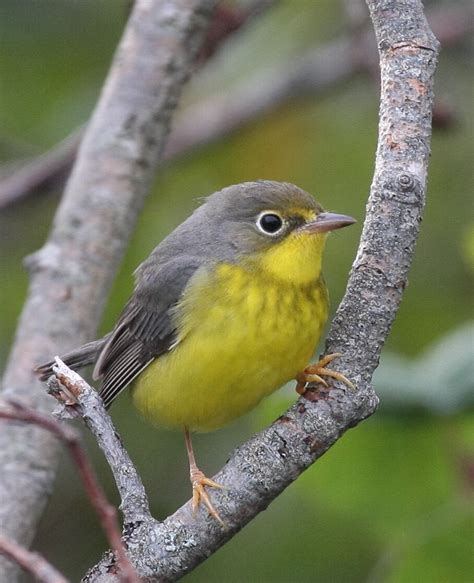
(78,358)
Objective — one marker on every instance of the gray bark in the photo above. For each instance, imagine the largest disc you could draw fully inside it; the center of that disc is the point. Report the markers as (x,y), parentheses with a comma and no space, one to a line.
(260,469)
(71,275)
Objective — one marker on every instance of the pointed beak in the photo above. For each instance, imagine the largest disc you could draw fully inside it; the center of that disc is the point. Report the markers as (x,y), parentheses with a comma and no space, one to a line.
(325,222)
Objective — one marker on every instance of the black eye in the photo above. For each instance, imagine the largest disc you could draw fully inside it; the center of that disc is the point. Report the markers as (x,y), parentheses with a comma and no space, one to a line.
(270,223)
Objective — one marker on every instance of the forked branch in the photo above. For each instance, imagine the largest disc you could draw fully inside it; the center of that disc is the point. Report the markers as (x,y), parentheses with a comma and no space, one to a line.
(262,468)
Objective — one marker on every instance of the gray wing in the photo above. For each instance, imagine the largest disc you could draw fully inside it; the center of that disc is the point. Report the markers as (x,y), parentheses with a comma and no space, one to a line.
(75,359)
(147,327)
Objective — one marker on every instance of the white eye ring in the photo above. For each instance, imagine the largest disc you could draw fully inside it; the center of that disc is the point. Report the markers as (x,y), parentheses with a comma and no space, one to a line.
(270,223)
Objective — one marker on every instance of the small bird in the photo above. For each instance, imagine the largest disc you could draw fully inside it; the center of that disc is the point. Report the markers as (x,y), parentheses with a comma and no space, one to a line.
(225,310)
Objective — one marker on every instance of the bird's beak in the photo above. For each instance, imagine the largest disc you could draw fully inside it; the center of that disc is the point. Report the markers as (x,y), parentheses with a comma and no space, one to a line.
(325,222)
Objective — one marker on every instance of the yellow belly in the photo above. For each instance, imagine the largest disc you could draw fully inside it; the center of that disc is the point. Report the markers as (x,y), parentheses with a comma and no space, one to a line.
(242,337)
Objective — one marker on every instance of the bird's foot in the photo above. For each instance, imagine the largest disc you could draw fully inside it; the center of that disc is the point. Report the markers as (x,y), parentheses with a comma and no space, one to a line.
(314,373)
(199,482)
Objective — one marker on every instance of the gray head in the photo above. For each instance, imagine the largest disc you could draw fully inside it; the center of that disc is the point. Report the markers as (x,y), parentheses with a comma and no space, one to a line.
(245,219)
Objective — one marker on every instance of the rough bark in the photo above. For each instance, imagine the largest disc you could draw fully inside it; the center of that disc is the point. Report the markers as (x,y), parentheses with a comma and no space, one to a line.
(71,275)
(259,470)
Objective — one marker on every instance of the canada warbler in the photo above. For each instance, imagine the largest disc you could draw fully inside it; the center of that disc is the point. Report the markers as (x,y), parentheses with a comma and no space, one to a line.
(225,310)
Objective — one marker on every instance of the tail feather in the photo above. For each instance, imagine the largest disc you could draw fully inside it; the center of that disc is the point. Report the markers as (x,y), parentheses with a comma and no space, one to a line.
(75,359)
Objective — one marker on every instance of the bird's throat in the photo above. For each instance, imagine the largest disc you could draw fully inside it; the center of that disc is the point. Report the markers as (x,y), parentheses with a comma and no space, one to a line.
(295,260)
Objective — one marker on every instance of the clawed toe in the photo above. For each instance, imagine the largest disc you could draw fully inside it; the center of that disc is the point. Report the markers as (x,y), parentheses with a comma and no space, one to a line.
(314,373)
(199,482)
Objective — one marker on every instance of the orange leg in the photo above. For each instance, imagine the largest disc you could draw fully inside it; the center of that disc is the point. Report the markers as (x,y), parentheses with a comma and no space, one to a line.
(314,373)
(199,482)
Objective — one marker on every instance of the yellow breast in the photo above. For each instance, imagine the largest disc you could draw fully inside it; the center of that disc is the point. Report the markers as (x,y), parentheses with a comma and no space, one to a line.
(242,335)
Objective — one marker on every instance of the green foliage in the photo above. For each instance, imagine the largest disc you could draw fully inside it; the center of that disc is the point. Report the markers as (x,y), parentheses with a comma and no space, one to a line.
(440,380)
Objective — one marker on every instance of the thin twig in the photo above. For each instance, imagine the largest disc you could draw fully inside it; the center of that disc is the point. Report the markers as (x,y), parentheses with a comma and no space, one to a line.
(31,562)
(41,171)
(226,21)
(75,395)
(17,411)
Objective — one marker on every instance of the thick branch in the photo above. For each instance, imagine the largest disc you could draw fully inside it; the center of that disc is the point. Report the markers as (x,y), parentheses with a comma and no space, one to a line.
(408,53)
(72,274)
(263,467)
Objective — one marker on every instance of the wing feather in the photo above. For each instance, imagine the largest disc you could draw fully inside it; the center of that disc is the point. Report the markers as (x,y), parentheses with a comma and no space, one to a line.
(147,327)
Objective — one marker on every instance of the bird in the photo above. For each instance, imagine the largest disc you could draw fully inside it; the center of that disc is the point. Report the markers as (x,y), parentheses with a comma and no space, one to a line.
(225,310)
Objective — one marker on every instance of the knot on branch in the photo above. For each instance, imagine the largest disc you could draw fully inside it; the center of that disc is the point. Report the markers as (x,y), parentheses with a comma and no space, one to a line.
(402,187)
(48,257)
(406,182)
(409,46)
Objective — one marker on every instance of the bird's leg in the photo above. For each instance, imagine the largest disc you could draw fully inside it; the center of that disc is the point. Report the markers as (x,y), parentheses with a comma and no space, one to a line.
(314,373)
(199,482)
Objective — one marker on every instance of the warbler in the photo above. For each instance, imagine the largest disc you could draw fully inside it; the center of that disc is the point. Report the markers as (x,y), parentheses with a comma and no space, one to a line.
(225,310)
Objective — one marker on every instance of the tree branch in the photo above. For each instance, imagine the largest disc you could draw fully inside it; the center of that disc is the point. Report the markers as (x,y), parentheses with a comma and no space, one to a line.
(315,72)
(54,165)
(259,470)
(18,411)
(33,563)
(71,275)
(84,401)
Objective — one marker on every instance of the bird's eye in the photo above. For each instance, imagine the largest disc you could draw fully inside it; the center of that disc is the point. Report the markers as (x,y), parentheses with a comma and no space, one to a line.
(270,223)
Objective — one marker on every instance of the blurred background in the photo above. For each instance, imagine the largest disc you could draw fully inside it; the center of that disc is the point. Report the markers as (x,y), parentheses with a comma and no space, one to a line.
(291,95)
